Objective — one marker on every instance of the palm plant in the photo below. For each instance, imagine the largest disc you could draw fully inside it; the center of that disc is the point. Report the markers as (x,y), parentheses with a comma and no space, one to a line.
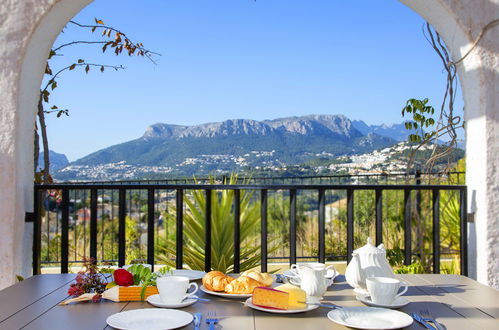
(222,230)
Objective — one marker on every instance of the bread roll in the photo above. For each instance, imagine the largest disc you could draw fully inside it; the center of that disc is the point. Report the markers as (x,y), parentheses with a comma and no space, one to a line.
(263,278)
(242,285)
(216,281)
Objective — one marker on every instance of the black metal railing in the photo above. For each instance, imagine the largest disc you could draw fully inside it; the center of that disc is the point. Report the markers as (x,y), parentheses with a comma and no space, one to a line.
(64,205)
(416,177)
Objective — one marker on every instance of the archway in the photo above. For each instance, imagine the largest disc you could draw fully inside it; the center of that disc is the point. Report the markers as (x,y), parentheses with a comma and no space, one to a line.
(28,34)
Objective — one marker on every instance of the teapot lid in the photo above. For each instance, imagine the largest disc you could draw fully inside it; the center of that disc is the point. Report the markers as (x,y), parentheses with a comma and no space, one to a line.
(369,248)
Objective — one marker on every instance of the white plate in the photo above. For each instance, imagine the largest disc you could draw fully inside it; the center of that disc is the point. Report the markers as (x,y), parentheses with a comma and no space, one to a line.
(155,300)
(250,304)
(191,274)
(223,294)
(370,318)
(150,319)
(398,303)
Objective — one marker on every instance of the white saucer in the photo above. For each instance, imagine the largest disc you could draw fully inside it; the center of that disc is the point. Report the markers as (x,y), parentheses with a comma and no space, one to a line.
(155,300)
(398,303)
(223,294)
(150,319)
(250,304)
(370,318)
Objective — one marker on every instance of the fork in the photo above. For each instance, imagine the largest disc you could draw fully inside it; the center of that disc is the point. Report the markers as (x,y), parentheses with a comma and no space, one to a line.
(425,313)
(211,319)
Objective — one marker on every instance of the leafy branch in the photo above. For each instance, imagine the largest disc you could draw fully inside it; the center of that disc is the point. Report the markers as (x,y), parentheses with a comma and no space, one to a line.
(115,40)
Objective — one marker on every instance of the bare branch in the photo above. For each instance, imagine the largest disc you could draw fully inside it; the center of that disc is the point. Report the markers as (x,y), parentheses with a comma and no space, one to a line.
(78,42)
(115,67)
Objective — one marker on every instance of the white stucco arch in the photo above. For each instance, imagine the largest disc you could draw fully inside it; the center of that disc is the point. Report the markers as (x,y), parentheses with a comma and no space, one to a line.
(28,28)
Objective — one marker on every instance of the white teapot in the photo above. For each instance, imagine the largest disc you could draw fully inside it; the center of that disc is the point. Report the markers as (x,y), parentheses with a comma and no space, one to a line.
(367,261)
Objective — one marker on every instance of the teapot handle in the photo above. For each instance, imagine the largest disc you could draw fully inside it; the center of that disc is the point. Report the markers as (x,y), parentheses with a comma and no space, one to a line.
(381,247)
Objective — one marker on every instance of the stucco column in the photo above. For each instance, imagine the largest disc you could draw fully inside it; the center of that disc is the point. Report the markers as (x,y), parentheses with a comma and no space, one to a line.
(28,29)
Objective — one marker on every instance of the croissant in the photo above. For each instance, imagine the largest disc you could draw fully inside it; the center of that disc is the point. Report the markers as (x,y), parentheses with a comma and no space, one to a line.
(216,281)
(263,278)
(242,285)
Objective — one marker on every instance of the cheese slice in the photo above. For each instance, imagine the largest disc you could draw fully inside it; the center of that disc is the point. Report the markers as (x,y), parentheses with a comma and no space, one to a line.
(297,296)
(270,298)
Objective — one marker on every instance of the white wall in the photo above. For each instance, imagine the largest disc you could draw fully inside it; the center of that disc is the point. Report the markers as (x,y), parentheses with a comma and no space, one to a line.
(28,28)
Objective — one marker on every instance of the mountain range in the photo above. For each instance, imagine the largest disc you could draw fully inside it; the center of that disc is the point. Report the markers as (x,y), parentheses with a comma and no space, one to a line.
(292,138)
(232,145)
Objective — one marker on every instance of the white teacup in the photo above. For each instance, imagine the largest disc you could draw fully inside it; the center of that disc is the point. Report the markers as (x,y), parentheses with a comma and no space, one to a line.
(384,290)
(172,289)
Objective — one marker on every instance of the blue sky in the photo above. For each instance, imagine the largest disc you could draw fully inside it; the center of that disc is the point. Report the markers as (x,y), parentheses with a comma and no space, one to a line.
(227,59)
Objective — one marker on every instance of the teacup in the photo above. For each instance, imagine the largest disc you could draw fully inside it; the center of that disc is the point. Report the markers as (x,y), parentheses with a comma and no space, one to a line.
(384,290)
(172,289)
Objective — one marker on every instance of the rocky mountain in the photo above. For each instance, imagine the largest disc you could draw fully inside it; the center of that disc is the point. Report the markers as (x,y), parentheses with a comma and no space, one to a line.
(57,160)
(233,145)
(395,131)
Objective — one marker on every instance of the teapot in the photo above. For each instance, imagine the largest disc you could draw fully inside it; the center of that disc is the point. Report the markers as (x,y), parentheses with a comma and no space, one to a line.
(367,261)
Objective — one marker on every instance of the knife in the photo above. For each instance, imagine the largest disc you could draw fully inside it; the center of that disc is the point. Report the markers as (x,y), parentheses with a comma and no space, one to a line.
(422,321)
(324,304)
(197,320)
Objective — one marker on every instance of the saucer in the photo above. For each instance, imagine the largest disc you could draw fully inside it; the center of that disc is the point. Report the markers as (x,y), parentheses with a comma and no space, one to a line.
(399,302)
(155,300)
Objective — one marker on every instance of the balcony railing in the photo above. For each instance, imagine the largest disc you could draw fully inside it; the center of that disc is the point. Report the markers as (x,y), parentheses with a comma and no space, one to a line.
(58,207)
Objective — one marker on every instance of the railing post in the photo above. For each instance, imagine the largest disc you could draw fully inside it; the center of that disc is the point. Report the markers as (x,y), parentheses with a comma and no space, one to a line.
(93,224)
(436,231)
(379,216)
(263,228)
(37,232)
(150,227)
(322,226)
(292,226)
(407,228)
(121,227)
(237,234)
(65,231)
(207,237)
(463,246)
(180,229)
(350,210)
